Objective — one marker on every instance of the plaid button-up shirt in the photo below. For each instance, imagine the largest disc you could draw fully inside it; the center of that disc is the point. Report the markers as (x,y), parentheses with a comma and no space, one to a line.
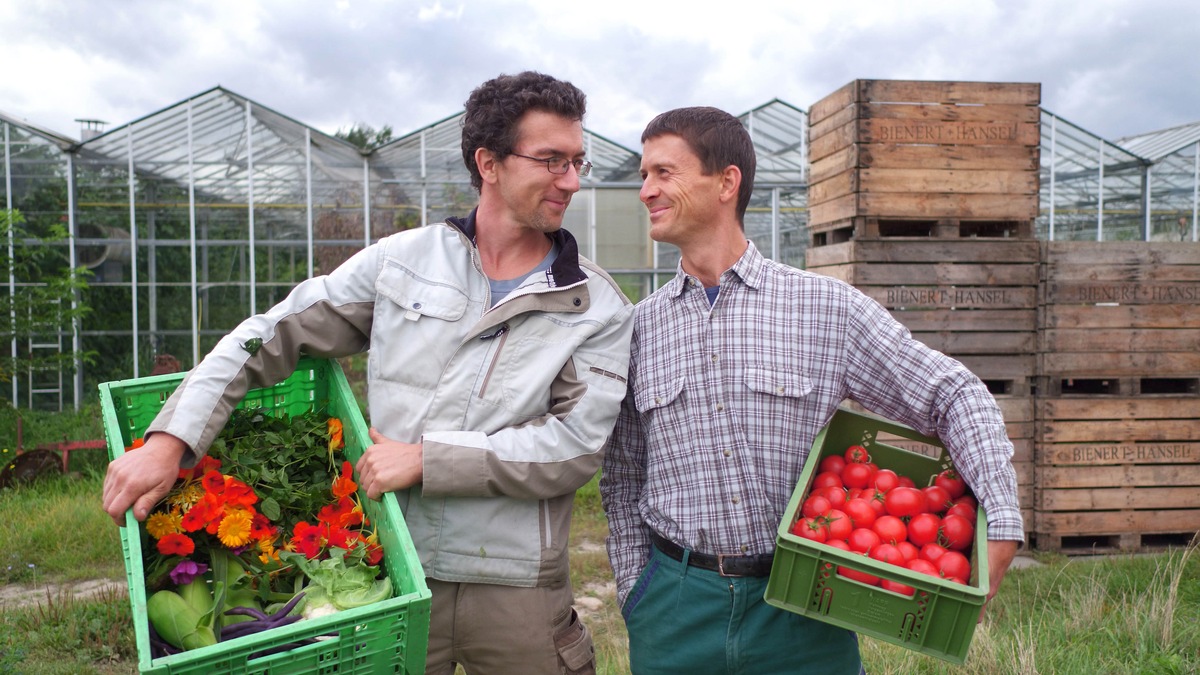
(724,402)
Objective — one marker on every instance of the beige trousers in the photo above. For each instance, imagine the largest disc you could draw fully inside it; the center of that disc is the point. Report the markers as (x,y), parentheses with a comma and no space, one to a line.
(491,629)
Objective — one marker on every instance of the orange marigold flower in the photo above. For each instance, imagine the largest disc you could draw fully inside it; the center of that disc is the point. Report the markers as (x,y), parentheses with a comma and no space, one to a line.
(160,524)
(234,529)
(344,484)
(176,544)
(334,426)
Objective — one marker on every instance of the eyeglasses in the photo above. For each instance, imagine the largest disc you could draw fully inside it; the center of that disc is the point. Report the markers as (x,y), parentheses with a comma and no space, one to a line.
(559,166)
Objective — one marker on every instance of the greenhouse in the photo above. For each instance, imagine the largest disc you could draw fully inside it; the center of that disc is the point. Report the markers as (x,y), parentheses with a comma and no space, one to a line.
(198,215)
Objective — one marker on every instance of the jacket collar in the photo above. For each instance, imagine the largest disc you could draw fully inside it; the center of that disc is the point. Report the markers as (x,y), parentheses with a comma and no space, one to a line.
(564,272)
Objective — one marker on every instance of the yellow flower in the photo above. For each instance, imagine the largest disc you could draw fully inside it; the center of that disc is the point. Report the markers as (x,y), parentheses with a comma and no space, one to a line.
(160,524)
(269,554)
(234,530)
(186,495)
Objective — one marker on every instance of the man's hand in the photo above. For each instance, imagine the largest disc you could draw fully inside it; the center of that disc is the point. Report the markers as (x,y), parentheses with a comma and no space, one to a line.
(1000,555)
(388,465)
(142,477)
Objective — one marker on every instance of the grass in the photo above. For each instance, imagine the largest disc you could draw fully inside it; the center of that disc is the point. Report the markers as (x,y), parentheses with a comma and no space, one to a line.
(1114,615)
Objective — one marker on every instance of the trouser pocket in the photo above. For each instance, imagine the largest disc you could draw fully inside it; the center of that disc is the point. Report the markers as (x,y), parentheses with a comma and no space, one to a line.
(574,646)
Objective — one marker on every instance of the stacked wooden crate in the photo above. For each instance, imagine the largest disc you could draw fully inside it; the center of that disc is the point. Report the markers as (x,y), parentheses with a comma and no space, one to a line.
(922,196)
(891,157)
(1118,433)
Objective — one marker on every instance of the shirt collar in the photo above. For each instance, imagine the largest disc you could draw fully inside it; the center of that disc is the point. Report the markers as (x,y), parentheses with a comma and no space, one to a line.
(750,268)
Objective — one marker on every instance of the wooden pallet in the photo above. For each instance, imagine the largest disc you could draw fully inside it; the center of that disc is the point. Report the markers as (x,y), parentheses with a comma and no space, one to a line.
(871,227)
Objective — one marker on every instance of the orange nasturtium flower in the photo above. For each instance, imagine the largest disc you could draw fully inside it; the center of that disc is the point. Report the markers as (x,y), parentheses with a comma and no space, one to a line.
(309,539)
(335,434)
(137,443)
(344,485)
(214,482)
(176,544)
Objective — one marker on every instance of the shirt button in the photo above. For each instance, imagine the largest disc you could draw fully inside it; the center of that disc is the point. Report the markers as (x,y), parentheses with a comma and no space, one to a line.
(737,500)
(729,453)
(714,358)
(745,548)
(658,399)
(720,407)
(416,305)
(780,390)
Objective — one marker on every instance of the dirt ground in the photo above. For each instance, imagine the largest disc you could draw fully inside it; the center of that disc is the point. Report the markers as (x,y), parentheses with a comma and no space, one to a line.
(22,595)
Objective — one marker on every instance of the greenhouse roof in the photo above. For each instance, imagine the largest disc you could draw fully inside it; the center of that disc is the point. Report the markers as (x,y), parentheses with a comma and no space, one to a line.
(1156,145)
(778,130)
(65,142)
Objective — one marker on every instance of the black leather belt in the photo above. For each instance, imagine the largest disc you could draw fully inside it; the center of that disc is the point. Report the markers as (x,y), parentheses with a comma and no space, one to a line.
(725,565)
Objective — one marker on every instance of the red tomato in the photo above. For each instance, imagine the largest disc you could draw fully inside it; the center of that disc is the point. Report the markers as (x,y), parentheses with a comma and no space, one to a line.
(877,503)
(886,479)
(857,475)
(969,500)
(962,509)
(827,479)
(923,566)
(860,512)
(905,481)
(904,502)
(857,454)
(932,552)
(862,540)
(908,550)
(890,529)
(862,577)
(953,564)
(815,505)
(833,464)
(937,498)
(838,544)
(811,528)
(838,523)
(853,493)
(835,495)
(923,529)
(957,533)
(952,482)
(896,587)
(887,553)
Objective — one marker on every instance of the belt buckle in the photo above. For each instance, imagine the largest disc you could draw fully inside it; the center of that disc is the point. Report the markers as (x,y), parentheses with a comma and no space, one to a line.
(721,566)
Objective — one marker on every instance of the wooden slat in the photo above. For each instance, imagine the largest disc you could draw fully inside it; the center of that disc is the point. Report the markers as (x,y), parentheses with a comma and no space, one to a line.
(1119,364)
(838,185)
(1103,407)
(946,133)
(1166,475)
(960,343)
(833,121)
(1118,498)
(999,112)
(966,157)
(948,181)
(1121,272)
(1125,293)
(929,320)
(834,210)
(1103,454)
(1117,522)
(917,91)
(839,99)
(947,273)
(1130,340)
(832,141)
(932,250)
(1124,316)
(1106,431)
(832,164)
(963,297)
(1107,253)
(937,205)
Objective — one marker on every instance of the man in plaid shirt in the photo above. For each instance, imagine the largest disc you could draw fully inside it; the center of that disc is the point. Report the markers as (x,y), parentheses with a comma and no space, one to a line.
(736,365)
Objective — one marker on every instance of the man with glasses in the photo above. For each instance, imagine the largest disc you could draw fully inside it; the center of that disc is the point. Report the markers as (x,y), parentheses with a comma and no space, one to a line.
(498,358)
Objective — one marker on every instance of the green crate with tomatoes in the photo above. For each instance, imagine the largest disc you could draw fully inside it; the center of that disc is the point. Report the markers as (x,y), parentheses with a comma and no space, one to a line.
(844,563)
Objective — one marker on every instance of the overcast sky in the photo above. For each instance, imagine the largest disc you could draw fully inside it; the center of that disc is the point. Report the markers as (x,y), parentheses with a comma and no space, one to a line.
(1114,68)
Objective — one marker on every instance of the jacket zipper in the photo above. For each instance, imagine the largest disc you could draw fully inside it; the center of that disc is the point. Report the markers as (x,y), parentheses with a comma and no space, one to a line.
(502,333)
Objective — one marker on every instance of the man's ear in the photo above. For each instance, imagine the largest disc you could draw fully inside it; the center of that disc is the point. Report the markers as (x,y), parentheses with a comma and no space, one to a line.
(486,161)
(731,182)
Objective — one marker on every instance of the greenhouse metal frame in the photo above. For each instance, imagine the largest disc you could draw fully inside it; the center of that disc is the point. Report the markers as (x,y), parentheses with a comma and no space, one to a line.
(198,215)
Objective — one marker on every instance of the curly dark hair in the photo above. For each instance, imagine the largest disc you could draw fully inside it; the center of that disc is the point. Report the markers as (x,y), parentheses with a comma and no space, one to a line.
(717,138)
(495,107)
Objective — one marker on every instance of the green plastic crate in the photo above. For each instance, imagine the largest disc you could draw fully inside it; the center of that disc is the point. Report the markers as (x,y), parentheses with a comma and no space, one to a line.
(939,619)
(385,637)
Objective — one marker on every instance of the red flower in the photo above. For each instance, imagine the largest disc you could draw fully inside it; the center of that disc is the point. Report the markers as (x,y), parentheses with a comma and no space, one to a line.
(196,517)
(176,544)
(344,485)
(214,482)
(309,539)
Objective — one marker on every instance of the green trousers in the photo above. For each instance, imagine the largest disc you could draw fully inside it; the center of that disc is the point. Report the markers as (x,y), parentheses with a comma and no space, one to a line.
(685,619)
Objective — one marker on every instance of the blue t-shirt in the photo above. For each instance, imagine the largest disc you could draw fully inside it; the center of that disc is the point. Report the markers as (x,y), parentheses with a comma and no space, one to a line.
(502,287)
(711,292)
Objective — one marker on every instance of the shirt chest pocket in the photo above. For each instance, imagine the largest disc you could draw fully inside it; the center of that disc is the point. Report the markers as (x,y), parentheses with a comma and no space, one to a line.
(415,329)
(774,383)
(657,394)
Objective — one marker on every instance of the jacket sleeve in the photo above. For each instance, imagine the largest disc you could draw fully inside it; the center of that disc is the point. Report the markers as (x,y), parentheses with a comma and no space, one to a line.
(327,316)
(898,376)
(621,483)
(551,455)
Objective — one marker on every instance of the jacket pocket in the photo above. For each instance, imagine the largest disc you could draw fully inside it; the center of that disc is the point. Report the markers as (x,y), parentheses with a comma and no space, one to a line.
(574,645)
(419,296)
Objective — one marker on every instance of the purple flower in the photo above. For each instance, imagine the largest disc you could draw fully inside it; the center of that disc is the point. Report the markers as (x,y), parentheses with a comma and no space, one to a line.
(186,571)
